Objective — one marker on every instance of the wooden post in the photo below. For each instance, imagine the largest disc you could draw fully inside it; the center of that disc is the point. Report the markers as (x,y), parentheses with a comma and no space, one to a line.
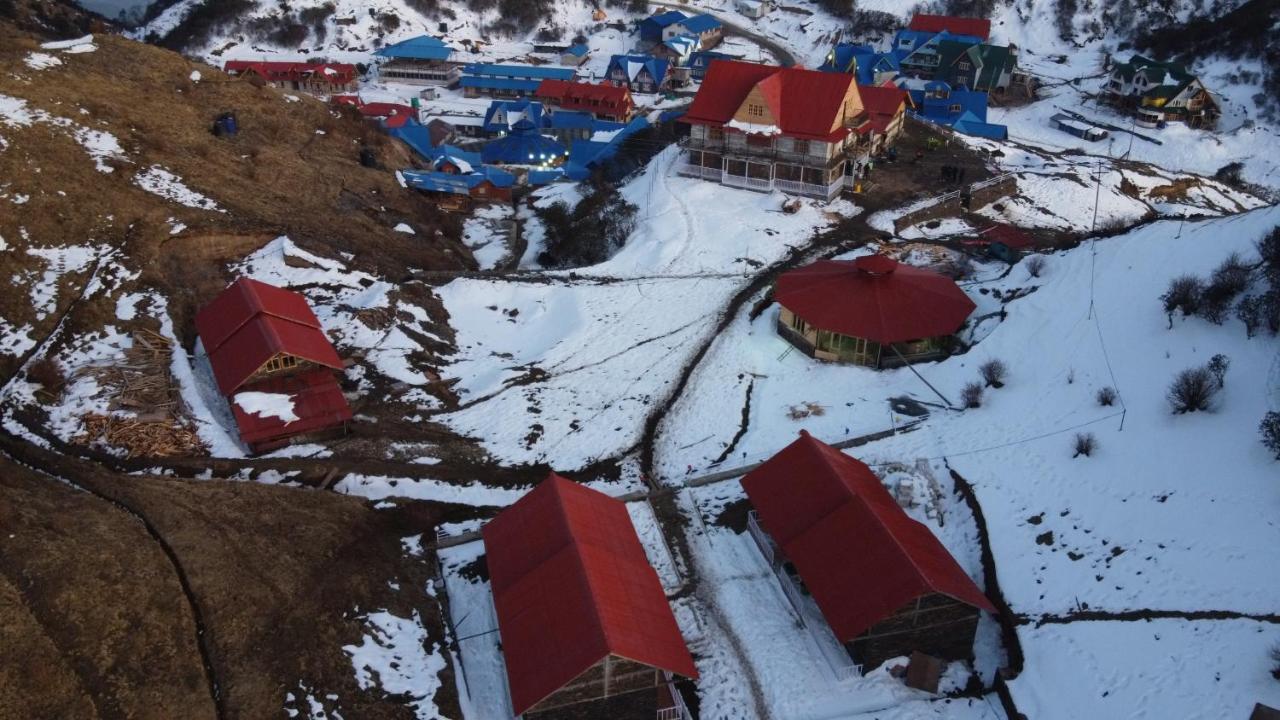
(608,673)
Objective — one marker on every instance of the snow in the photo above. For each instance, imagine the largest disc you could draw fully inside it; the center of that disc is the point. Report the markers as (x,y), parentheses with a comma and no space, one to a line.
(754,128)
(404,228)
(195,76)
(397,658)
(76,45)
(1167,668)
(40,61)
(484,693)
(488,233)
(100,145)
(266,405)
(159,181)
(564,372)
(375,487)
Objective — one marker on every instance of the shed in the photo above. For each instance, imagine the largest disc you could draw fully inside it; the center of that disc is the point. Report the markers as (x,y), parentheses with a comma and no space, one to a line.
(885,584)
(581,613)
(870,311)
(652,27)
(264,339)
(575,54)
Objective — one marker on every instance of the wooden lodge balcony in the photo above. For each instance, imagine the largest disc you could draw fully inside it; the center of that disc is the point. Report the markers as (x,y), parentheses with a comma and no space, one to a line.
(761,174)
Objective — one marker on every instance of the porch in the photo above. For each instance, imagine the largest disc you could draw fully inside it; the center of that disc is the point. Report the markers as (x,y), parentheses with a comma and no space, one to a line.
(763,174)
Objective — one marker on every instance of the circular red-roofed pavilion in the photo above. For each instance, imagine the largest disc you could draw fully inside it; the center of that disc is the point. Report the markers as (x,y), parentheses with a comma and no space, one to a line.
(871,311)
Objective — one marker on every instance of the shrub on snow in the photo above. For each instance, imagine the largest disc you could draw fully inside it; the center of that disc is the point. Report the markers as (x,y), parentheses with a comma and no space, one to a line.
(1269,428)
(1085,444)
(1184,294)
(1035,265)
(1192,390)
(993,372)
(971,395)
(1106,396)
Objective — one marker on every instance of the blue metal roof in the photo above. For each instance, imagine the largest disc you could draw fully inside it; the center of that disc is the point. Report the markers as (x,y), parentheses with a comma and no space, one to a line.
(456,183)
(586,154)
(495,83)
(669,17)
(578,50)
(518,71)
(657,67)
(701,23)
(524,145)
(574,120)
(423,47)
(502,114)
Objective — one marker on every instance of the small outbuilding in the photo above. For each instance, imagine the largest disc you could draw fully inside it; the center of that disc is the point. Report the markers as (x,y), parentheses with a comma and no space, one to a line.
(871,311)
(585,625)
(273,362)
(884,583)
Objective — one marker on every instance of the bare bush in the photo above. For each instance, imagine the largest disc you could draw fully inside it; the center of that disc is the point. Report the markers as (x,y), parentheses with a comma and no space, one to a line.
(1035,265)
(1107,396)
(1192,390)
(1218,365)
(47,373)
(1275,661)
(1085,444)
(1183,294)
(971,395)
(1249,311)
(993,372)
(1269,428)
(1228,280)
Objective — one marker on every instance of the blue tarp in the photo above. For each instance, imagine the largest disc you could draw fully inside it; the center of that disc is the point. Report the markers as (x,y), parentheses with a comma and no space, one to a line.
(525,145)
(423,47)
(518,71)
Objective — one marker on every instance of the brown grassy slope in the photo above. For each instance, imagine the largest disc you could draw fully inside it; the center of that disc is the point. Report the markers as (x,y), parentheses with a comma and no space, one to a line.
(278,176)
(95,621)
(280,575)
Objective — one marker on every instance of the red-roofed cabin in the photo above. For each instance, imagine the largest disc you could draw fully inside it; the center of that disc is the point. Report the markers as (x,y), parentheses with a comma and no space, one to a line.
(603,100)
(886,107)
(314,78)
(871,311)
(763,127)
(265,345)
(975,27)
(885,584)
(585,625)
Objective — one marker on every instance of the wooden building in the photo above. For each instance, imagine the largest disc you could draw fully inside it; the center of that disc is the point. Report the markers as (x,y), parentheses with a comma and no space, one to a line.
(316,78)
(603,100)
(871,311)
(884,583)
(267,348)
(585,625)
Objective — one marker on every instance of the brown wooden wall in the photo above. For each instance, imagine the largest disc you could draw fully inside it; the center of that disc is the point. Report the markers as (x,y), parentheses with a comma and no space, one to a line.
(936,625)
(626,682)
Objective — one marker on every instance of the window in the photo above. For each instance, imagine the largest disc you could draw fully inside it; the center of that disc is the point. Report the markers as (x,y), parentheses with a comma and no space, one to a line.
(962,65)
(715,133)
(801,146)
(280,363)
(798,324)
(755,110)
(955,108)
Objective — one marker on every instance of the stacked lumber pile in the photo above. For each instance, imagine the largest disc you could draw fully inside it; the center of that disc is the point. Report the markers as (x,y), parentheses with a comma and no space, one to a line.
(140,437)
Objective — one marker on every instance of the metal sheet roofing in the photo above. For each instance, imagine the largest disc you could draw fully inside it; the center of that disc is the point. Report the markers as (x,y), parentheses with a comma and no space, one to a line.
(525,72)
(858,553)
(497,83)
(571,586)
(318,403)
(804,103)
(423,47)
(874,297)
(699,24)
(251,322)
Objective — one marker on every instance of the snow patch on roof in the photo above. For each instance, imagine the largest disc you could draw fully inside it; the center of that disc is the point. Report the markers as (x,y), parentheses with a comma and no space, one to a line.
(277,405)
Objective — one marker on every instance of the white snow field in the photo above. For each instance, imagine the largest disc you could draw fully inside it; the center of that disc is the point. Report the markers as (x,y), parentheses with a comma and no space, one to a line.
(584,355)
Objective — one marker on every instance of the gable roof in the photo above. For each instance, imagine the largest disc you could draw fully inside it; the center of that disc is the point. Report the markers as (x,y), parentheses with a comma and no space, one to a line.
(977,27)
(457,183)
(874,297)
(804,103)
(292,71)
(502,115)
(571,586)
(574,93)
(882,103)
(631,65)
(423,47)
(859,554)
(664,19)
(699,24)
(251,322)
(318,403)
(577,50)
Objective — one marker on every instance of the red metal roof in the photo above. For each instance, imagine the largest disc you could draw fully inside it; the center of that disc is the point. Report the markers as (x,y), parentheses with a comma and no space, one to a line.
(1015,238)
(580,94)
(250,322)
(882,103)
(340,73)
(384,109)
(859,554)
(874,297)
(317,401)
(977,27)
(804,103)
(572,585)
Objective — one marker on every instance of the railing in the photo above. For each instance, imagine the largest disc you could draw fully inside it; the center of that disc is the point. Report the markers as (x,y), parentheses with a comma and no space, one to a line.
(792,592)
(844,672)
(747,182)
(706,173)
(763,541)
(990,181)
(679,711)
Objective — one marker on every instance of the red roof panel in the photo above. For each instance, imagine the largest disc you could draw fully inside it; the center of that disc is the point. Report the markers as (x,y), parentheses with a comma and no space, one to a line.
(572,585)
(578,93)
(342,73)
(317,401)
(874,297)
(1015,238)
(805,103)
(859,554)
(250,322)
(977,27)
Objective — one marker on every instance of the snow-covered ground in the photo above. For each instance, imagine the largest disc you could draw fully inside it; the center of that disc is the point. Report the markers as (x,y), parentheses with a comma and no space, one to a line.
(560,372)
